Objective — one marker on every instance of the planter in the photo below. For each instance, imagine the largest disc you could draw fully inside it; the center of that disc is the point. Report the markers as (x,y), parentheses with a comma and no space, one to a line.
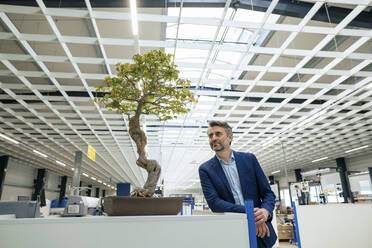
(131,206)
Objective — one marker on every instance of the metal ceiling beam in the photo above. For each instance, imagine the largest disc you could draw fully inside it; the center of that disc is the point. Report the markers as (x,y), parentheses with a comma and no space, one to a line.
(300,9)
(290,8)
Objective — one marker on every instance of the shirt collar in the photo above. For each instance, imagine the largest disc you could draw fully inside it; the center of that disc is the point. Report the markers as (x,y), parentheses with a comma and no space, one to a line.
(232,159)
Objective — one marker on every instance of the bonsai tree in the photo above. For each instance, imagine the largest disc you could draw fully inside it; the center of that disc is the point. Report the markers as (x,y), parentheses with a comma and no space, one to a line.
(148,86)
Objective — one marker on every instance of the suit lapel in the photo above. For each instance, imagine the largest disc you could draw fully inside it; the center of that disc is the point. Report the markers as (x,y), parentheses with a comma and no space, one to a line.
(221,174)
(240,167)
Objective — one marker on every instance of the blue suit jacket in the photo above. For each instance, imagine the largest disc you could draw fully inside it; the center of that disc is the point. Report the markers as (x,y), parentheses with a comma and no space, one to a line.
(253,183)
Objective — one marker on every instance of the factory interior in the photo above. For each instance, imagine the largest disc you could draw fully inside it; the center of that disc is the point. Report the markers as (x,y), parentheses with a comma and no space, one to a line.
(293,79)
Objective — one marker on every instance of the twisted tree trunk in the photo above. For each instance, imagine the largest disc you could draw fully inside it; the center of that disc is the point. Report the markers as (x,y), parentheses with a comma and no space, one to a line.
(151,166)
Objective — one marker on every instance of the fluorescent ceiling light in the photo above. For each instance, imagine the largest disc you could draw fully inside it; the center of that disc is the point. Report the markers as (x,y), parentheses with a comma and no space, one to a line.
(41,154)
(9,139)
(319,159)
(72,169)
(60,163)
(85,174)
(93,178)
(274,172)
(99,181)
(356,149)
(315,172)
(133,12)
(360,173)
(104,184)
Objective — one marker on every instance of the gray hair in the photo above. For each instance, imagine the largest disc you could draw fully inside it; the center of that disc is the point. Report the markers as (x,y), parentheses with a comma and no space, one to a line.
(222,124)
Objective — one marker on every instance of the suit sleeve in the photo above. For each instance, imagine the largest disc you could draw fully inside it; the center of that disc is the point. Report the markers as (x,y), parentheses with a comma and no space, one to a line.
(266,194)
(215,203)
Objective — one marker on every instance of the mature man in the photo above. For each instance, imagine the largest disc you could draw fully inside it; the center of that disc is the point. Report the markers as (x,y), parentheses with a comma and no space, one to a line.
(230,178)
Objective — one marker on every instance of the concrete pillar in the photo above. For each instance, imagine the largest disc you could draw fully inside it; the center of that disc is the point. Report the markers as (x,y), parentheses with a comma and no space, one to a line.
(77,171)
(271,180)
(39,187)
(298,175)
(89,191)
(62,190)
(3,167)
(342,169)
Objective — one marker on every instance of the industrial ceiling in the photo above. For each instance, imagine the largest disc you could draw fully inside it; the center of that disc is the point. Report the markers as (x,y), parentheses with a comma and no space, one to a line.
(292,78)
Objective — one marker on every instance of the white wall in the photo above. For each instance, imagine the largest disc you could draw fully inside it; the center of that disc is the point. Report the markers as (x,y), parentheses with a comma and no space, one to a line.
(19,181)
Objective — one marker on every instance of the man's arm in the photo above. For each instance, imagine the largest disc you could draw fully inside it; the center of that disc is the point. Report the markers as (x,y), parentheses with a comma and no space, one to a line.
(215,203)
(266,194)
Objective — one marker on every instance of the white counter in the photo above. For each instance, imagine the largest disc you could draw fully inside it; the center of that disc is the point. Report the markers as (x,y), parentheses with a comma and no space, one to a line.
(335,225)
(225,230)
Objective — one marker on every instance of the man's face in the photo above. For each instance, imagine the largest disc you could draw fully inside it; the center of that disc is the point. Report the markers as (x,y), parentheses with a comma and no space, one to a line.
(218,139)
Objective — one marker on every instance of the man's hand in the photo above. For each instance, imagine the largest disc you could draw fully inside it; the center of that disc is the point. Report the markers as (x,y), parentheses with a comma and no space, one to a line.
(260,215)
(262,230)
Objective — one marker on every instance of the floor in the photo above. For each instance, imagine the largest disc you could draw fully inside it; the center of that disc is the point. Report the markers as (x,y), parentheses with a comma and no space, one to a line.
(286,245)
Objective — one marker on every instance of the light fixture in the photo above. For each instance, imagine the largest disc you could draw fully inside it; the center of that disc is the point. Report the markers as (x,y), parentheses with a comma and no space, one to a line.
(93,178)
(133,12)
(356,149)
(85,174)
(360,173)
(104,184)
(9,139)
(60,163)
(72,169)
(39,153)
(315,172)
(319,159)
(274,172)
(99,181)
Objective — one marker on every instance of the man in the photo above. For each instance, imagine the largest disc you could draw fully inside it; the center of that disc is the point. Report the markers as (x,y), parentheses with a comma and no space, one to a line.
(230,178)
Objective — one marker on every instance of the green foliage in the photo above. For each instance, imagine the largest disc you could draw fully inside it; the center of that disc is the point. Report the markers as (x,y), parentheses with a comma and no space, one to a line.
(149,85)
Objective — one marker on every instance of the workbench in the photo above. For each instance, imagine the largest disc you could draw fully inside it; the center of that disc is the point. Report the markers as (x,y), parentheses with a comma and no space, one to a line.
(223,230)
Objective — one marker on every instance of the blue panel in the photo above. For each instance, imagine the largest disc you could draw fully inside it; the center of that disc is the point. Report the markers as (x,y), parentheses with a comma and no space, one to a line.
(296,224)
(123,189)
(249,210)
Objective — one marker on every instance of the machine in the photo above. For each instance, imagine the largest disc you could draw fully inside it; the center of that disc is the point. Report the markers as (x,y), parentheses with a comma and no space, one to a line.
(80,206)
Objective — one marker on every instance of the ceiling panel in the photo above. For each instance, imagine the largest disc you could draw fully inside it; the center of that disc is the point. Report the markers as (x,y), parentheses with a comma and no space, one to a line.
(294,89)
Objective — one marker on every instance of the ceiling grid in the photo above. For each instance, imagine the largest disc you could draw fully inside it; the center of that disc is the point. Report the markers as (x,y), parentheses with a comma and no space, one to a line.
(296,87)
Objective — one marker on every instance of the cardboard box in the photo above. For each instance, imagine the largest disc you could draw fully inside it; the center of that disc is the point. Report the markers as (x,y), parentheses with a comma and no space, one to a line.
(285,231)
